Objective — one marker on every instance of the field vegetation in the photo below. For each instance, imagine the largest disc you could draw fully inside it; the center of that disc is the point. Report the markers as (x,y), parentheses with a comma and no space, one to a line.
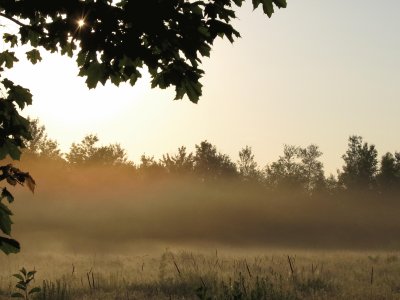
(273,274)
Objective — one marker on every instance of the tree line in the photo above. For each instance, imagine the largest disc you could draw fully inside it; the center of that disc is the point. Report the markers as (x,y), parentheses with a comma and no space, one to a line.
(297,169)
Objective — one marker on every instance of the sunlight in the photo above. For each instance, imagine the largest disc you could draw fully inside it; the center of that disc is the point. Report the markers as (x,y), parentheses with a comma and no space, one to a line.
(81,22)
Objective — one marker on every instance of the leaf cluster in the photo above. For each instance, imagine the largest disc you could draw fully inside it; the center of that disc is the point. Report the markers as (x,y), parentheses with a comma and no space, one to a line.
(119,38)
(24,280)
(13,176)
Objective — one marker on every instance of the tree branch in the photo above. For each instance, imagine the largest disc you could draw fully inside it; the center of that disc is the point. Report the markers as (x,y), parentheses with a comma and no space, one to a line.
(12,19)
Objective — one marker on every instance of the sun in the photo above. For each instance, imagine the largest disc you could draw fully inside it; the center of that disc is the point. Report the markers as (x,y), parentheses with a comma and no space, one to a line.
(81,22)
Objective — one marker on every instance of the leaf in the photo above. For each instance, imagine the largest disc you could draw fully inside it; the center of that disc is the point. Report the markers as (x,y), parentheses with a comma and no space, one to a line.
(193,90)
(68,49)
(19,276)
(81,58)
(17,295)
(30,182)
(5,220)
(18,94)
(7,58)
(6,194)
(9,245)
(34,290)
(238,2)
(21,286)
(31,273)
(268,7)
(10,38)
(204,31)
(95,73)
(23,271)
(33,56)
(280,3)
(12,150)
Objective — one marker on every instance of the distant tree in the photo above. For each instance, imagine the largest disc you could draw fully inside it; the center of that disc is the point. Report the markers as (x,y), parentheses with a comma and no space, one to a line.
(331,185)
(87,153)
(248,168)
(179,164)
(313,169)
(389,172)
(150,168)
(287,171)
(210,164)
(298,168)
(361,165)
(40,145)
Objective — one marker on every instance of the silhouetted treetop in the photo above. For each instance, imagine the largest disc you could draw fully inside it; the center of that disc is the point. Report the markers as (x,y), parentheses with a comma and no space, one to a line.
(247,165)
(211,164)
(114,40)
(361,164)
(180,163)
(87,153)
(40,144)
(389,173)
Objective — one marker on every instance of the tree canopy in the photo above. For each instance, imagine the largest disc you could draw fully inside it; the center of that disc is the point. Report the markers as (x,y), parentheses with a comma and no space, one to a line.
(115,40)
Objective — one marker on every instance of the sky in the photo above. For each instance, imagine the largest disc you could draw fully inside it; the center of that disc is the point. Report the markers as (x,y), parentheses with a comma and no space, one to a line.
(316,72)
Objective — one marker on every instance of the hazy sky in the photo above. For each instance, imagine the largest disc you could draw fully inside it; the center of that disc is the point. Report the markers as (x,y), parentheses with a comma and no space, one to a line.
(317,72)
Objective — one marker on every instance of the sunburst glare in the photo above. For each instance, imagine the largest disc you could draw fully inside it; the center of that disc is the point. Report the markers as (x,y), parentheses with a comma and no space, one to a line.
(81,22)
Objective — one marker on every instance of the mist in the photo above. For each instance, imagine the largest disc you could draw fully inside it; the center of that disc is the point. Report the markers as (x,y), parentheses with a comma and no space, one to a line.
(111,209)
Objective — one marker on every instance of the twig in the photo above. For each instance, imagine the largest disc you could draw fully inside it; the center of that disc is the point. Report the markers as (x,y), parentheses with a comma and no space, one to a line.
(248,269)
(290,265)
(372,275)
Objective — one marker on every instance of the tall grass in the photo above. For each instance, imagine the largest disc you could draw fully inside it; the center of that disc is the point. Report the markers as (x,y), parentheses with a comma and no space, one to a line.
(193,275)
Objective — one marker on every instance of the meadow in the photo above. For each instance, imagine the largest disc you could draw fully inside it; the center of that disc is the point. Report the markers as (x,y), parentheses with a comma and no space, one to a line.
(98,233)
(180,274)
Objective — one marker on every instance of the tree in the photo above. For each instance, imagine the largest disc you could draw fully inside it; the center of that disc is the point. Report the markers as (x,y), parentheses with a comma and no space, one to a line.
(247,166)
(180,163)
(112,40)
(389,173)
(87,153)
(313,169)
(361,165)
(298,168)
(40,145)
(209,164)
(149,167)
(287,171)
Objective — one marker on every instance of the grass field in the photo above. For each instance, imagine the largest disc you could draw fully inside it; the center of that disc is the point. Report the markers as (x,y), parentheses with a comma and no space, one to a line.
(181,274)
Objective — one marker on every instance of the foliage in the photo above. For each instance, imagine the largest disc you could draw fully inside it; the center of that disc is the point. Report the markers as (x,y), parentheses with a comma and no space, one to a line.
(247,166)
(14,129)
(24,280)
(87,153)
(40,145)
(298,168)
(210,164)
(13,176)
(312,167)
(361,165)
(180,163)
(389,174)
(116,39)
(149,167)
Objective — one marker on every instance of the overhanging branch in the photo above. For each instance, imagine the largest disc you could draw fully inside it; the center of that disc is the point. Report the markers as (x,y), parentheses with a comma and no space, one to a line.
(12,19)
